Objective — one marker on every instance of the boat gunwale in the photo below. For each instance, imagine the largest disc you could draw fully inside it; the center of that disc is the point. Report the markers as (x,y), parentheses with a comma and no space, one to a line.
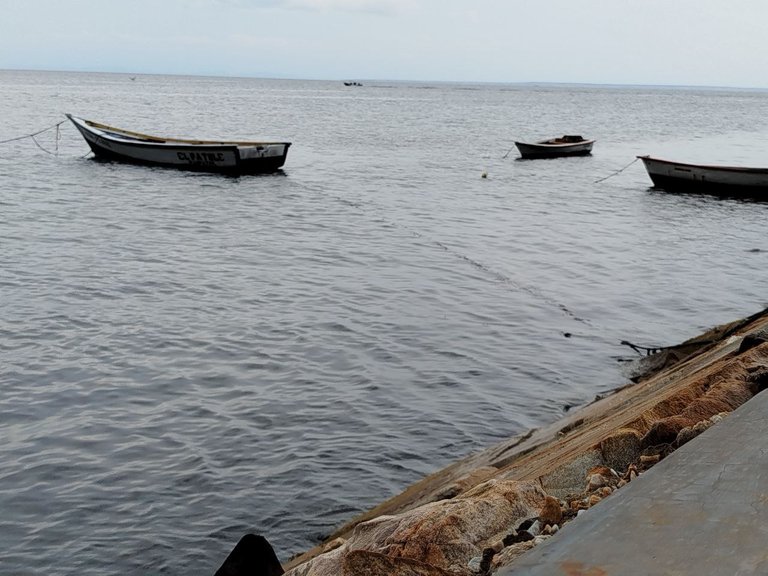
(548,145)
(744,169)
(139,139)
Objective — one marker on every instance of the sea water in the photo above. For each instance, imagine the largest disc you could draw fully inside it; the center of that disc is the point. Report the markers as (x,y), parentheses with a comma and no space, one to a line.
(190,357)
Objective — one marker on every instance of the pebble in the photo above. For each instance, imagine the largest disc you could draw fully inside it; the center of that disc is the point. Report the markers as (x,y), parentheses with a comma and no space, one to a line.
(474,564)
(535,528)
(650,460)
(550,529)
(551,512)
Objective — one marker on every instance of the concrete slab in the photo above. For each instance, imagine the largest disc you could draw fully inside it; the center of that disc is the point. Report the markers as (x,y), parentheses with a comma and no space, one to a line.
(702,510)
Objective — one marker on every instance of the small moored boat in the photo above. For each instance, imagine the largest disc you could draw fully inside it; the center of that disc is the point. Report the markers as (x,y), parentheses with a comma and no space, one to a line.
(707,179)
(234,157)
(568,145)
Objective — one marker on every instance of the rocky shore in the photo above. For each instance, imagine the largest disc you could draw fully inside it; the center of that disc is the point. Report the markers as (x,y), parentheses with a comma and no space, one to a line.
(481,513)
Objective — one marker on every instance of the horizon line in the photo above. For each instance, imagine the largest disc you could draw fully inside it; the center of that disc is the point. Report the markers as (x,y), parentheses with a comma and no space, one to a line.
(395,80)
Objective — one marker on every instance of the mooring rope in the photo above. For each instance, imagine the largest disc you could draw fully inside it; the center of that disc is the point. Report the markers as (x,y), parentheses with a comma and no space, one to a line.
(531,290)
(503,279)
(507,154)
(617,172)
(32,136)
(649,350)
(43,149)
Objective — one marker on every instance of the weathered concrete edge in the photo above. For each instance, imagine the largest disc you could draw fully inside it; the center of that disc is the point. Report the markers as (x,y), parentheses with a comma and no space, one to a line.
(696,512)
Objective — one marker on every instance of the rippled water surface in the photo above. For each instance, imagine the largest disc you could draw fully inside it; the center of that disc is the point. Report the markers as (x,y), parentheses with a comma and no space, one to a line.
(188,357)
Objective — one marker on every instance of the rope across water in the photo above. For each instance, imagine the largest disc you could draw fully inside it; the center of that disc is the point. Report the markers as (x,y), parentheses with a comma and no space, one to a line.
(56,126)
(615,173)
(33,137)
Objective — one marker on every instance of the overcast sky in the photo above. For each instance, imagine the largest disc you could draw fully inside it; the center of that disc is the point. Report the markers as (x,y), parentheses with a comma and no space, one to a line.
(681,42)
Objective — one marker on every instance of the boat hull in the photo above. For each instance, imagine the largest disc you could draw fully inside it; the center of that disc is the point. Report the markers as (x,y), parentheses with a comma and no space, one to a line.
(225,157)
(704,179)
(543,150)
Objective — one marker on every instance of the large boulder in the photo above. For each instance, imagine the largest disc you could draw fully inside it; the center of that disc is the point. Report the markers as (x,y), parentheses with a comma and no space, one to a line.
(445,534)
(365,563)
(328,564)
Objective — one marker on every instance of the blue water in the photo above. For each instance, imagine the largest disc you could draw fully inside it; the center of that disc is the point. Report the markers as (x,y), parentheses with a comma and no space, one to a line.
(188,357)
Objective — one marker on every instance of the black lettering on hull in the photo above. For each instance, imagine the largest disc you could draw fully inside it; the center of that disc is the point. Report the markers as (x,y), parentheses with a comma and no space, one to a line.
(201,158)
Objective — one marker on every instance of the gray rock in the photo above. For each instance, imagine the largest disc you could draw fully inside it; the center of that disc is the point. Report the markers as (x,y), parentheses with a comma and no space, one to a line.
(755,339)
(569,478)
(621,448)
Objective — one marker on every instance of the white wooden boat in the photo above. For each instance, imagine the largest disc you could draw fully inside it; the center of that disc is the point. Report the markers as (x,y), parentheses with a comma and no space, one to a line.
(719,180)
(568,145)
(202,155)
